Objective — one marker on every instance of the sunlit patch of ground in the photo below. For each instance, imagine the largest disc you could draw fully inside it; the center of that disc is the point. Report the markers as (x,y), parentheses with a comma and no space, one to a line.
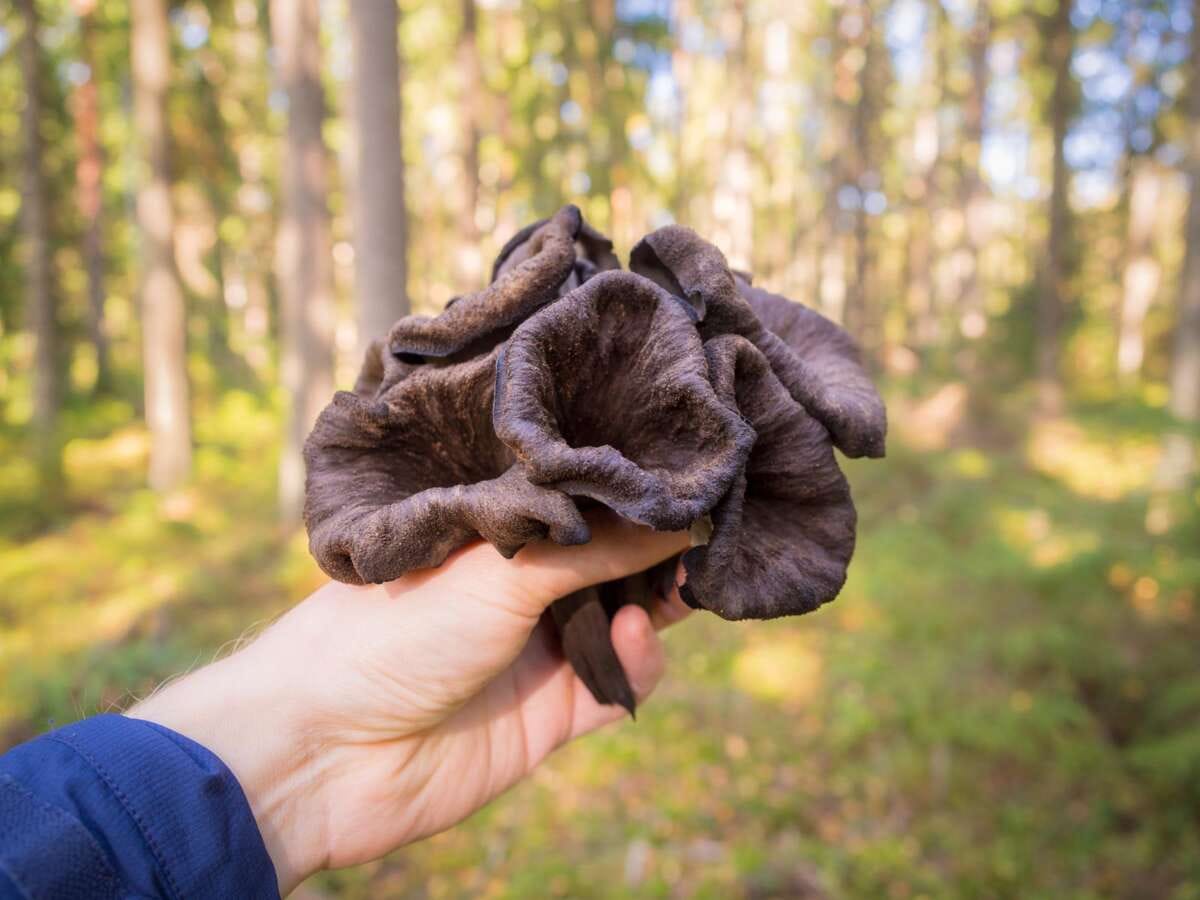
(786,668)
(1003,702)
(1093,466)
(169,578)
(1046,543)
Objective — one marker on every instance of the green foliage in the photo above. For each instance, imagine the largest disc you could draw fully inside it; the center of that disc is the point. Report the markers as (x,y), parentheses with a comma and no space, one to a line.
(1004,701)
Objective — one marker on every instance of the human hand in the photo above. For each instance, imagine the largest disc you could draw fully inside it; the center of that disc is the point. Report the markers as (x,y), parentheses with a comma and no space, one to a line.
(367,718)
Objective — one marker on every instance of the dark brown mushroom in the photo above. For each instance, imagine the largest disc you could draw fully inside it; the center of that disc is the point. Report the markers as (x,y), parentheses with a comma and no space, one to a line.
(605,394)
(783,534)
(546,262)
(814,358)
(676,394)
(397,483)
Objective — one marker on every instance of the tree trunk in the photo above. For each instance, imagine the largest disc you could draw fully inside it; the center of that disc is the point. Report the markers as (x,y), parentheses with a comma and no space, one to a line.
(1051,303)
(733,202)
(1142,275)
(972,318)
(164,318)
(1178,463)
(88,174)
(304,254)
(41,302)
(859,318)
(471,109)
(247,284)
(380,226)
(682,69)
(830,260)
(919,283)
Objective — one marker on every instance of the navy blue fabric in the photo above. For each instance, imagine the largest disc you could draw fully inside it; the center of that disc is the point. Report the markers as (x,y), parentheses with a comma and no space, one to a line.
(114,807)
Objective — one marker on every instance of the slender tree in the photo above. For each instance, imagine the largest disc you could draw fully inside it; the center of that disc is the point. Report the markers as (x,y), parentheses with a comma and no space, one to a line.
(380,223)
(1060,41)
(973,188)
(733,212)
(89,170)
(164,317)
(304,259)
(928,152)
(1142,271)
(471,109)
(1178,462)
(919,256)
(864,58)
(682,68)
(41,307)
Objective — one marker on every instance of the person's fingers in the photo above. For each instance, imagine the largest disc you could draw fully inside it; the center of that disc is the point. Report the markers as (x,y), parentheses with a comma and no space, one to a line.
(463,623)
(543,571)
(643,659)
(668,610)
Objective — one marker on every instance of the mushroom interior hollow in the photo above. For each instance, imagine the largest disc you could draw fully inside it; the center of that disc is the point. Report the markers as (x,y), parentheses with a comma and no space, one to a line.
(435,429)
(622,366)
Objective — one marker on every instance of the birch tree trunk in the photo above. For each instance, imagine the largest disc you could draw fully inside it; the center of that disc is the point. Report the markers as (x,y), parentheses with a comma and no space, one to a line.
(164,317)
(1143,273)
(1178,463)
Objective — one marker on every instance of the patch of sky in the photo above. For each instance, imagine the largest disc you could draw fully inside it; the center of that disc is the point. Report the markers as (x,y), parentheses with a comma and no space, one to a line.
(191,25)
(1096,142)
(848,197)
(638,10)
(904,32)
(571,112)
(1004,158)
(662,96)
(76,72)
(580,183)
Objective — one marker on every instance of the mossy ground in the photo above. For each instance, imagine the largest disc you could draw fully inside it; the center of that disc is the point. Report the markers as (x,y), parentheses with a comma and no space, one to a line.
(1005,701)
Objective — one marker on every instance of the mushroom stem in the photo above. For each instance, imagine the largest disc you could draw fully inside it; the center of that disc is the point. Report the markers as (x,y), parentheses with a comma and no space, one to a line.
(583,628)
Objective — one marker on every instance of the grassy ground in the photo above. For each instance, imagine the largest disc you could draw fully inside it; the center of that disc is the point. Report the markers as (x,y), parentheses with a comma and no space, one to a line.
(1005,701)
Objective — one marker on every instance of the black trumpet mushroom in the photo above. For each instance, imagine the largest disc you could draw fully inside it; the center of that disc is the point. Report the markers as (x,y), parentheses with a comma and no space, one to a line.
(675,393)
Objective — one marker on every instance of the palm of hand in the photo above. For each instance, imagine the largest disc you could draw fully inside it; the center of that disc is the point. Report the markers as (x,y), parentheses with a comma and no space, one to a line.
(451,688)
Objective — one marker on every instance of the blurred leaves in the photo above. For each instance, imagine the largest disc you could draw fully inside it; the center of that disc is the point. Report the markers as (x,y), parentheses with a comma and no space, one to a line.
(1005,699)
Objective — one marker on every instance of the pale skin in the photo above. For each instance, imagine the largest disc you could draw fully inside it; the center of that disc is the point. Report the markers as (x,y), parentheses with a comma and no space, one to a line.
(367,718)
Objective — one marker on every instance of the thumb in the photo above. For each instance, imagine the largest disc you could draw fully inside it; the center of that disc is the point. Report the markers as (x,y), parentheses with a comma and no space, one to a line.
(543,572)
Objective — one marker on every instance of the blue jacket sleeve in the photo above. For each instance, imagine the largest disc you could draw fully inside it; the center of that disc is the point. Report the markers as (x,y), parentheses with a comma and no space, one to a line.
(114,807)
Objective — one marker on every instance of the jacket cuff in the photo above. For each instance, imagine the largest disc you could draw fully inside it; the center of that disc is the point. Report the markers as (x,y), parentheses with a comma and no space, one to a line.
(170,815)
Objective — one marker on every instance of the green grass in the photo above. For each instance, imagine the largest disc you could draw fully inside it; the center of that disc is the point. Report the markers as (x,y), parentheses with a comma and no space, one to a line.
(1005,701)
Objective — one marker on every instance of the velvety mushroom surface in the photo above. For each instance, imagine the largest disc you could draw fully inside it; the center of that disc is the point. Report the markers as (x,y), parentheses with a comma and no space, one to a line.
(676,394)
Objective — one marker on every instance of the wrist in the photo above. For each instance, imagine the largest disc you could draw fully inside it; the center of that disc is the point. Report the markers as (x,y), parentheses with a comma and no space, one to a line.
(247,710)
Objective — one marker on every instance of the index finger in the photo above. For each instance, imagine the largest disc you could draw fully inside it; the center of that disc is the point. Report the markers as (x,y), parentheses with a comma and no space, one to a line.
(542,572)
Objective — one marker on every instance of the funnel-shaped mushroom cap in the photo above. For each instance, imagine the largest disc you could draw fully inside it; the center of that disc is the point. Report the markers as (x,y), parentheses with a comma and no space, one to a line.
(830,383)
(397,483)
(830,353)
(547,261)
(675,394)
(593,251)
(784,534)
(605,394)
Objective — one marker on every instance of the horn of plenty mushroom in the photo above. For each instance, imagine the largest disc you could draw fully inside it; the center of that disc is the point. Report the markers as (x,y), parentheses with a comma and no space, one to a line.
(675,394)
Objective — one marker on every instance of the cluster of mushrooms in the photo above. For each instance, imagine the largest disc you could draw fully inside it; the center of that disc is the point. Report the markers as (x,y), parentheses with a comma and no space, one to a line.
(674,393)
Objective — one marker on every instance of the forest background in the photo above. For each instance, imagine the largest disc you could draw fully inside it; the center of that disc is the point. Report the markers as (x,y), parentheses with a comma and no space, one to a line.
(206,207)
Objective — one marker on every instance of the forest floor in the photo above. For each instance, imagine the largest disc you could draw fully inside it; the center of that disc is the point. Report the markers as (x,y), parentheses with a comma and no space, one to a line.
(1004,701)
